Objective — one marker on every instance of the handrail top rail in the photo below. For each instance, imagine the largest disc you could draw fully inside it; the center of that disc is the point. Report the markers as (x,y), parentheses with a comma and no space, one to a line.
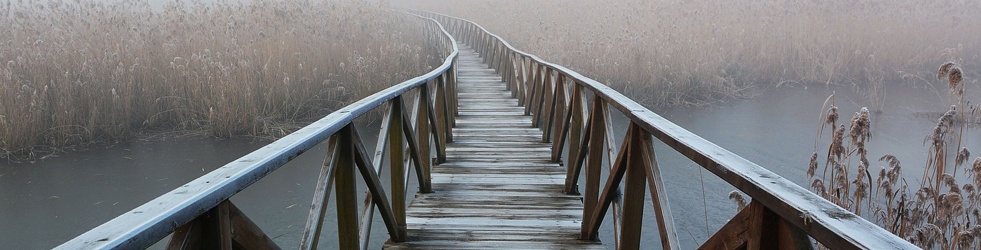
(793,202)
(159,217)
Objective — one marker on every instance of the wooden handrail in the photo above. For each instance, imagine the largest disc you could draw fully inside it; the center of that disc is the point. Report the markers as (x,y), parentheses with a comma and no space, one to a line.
(776,200)
(201,205)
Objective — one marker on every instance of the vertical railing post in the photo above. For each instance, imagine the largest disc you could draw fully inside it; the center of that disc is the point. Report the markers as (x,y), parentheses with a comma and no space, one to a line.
(633,192)
(395,149)
(556,111)
(519,79)
(594,162)
(446,98)
(441,122)
(422,135)
(545,98)
(536,74)
(576,120)
(346,192)
(452,82)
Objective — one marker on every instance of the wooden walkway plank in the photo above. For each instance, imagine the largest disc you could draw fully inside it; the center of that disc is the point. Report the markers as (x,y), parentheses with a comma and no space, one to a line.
(499,188)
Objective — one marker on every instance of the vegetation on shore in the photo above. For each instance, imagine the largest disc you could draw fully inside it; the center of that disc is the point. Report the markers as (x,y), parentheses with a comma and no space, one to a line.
(78,71)
(935,212)
(701,52)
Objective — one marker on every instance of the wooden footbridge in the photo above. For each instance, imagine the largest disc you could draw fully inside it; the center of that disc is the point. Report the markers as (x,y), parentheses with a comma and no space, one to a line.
(508,151)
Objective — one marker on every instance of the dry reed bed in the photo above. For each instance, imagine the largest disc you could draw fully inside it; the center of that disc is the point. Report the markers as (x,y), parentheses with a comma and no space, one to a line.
(935,212)
(80,71)
(698,52)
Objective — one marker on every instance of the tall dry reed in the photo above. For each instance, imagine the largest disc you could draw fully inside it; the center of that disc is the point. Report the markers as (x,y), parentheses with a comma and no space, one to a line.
(77,71)
(698,52)
(937,212)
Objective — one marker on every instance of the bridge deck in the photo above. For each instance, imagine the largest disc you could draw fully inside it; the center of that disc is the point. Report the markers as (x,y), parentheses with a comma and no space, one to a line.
(499,188)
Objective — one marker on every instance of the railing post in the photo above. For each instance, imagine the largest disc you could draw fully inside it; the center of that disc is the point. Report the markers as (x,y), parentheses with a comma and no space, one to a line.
(434,124)
(610,191)
(536,74)
(452,82)
(517,77)
(593,165)
(395,149)
(556,112)
(346,192)
(633,192)
(440,120)
(446,110)
(422,136)
(575,127)
(542,104)
(562,115)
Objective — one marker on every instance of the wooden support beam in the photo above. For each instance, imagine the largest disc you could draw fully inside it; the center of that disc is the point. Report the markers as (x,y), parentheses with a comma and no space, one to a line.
(222,227)
(425,185)
(370,178)
(346,191)
(367,209)
(659,197)
(611,154)
(435,119)
(577,143)
(590,230)
(422,136)
(757,227)
(594,164)
(318,208)
(633,191)
(396,142)
(555,109)
(543,105)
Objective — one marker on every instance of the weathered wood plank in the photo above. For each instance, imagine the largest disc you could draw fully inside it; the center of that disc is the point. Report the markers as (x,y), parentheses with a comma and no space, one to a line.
(499,187)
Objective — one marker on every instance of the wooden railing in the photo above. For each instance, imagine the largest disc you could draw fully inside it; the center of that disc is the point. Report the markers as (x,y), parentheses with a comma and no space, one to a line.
(573,111)
(201,216)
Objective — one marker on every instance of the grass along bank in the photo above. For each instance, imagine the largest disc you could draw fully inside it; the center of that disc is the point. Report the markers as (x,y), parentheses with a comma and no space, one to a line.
(702,52)
(79,71)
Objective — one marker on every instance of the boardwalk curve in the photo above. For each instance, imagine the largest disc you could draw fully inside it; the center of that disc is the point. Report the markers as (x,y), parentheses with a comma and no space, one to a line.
(499,187)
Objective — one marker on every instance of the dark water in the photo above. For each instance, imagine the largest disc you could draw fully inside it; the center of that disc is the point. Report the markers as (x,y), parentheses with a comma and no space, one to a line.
(45,203)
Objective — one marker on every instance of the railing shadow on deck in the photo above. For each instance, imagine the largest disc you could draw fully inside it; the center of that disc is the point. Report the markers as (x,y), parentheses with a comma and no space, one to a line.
(201,216)
(573,112)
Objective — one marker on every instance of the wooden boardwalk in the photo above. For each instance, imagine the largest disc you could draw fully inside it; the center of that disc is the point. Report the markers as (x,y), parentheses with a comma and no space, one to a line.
(499,189)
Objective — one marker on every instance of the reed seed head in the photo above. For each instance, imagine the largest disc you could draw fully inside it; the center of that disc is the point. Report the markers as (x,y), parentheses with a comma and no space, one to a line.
(832,117)
(962,156)
(812,165)
(860,131)
(944,70)
(955,77)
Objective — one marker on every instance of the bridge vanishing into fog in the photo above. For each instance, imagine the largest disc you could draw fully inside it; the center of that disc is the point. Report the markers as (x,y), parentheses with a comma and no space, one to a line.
(499,142)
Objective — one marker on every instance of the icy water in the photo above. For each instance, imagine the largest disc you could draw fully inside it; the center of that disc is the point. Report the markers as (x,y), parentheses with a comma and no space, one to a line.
(45,203)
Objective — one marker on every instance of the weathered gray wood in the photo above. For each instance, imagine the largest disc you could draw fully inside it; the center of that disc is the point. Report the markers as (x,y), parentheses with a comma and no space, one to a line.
(315,219)
(834,227)
(499,187)
(367,209)
(395,150)
(593,167)
(662,211)
(346,191)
